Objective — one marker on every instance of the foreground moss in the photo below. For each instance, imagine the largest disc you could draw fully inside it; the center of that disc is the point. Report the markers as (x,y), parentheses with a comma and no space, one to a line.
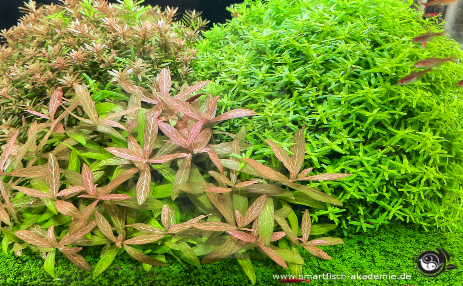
(388,250)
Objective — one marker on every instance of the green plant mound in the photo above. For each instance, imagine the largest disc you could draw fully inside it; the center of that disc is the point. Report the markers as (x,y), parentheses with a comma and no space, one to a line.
(54,46)
(334,66)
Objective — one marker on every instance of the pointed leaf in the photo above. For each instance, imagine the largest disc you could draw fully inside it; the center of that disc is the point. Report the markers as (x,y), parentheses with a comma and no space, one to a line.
(298,150)
(221,178)
(315,251)
(143,185)
(188,252)
(242,235)
(182,176)
(221,252)
(200,141)
(143,258)
(325,241)
(144,239)
(111,123)
(125,154)
(274,255)
(87,102)
(305,226)
(218,190)
(173,134)
(76,259)
(191,89)
(235,113)
(183,107)
(214,158)
(281,154)
(146,228)
(49,264)
(304,173)
(214,226)
(221,204)
(265,171)
(278,235)
(104,226)
(195,131)
(118,181)
(167,158)
(105,261)
(68,209)
(288,255)
(8,149)
(31,172)
(87,179)
(245,262)
(151,132)
(164,82)
(266,221)
(4,216)
(71,190)
(284,225)
(38,114)
(68,239)
(32,238)
(114,197)
(314,193)
(255,209)
(32,192)
(55,101)
(325,177)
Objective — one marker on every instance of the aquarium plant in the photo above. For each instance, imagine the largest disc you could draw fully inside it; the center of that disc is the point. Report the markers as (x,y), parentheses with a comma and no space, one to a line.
(147,180)
(334,66)
(54,46)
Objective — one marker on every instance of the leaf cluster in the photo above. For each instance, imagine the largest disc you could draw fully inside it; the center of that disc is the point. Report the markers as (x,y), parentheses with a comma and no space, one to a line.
(124,179)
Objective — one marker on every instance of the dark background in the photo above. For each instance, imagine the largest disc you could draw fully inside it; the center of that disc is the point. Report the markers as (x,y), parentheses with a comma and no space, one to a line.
(212,10)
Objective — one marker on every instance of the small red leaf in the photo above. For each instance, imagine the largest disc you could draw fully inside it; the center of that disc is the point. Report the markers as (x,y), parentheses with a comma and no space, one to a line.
(235,113)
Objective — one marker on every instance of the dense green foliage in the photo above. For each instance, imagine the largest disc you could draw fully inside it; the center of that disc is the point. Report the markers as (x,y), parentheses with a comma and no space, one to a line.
(334,65)
(388,250)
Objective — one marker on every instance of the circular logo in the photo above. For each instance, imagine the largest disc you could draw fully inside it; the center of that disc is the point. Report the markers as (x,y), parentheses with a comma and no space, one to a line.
(431,263)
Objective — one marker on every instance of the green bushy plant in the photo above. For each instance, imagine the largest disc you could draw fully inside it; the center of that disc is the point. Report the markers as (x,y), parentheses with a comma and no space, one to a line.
(334,65)
(54,46)
(113,170)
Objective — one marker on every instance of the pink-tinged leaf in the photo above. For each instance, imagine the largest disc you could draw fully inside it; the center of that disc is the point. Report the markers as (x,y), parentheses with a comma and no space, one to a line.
(182,176)
(38,113)
(184,226)
(255,228)
(8,149)
(33,193)
(53,174)
(235,113)
(148,99)
(164,82)
(58,127)
(191,89)
(125,154)
(104,226)
(265,171)
(143,185)
(144,239)
(4,216)
(298,150)
(221,178)
(121,113)
(118,180)
(32,238)
(84,98)
(146,228)
(317,252)
(254,210)
(284,225)
(114,197)
(278,235)
(55,101)
(274,255)
(211,108)
(78,117)
(221,204)
(245,184)
(325,241)
(201,140)
(86,196)
(314,193)
(134,146)
(151,133)
(242,235)
(31,172)
(71,237)
(143,258)
(214,226)
(165,216)
(325,177)
(112,124)
(281,154)
(87,179)
(306,226)
(173,134)
(196,130)
(214,158)
(239,218)
(51,236)
(183,107)
(304,173)
(218,190)
(167,158)
(68,209)
(76,259)
(221,252)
